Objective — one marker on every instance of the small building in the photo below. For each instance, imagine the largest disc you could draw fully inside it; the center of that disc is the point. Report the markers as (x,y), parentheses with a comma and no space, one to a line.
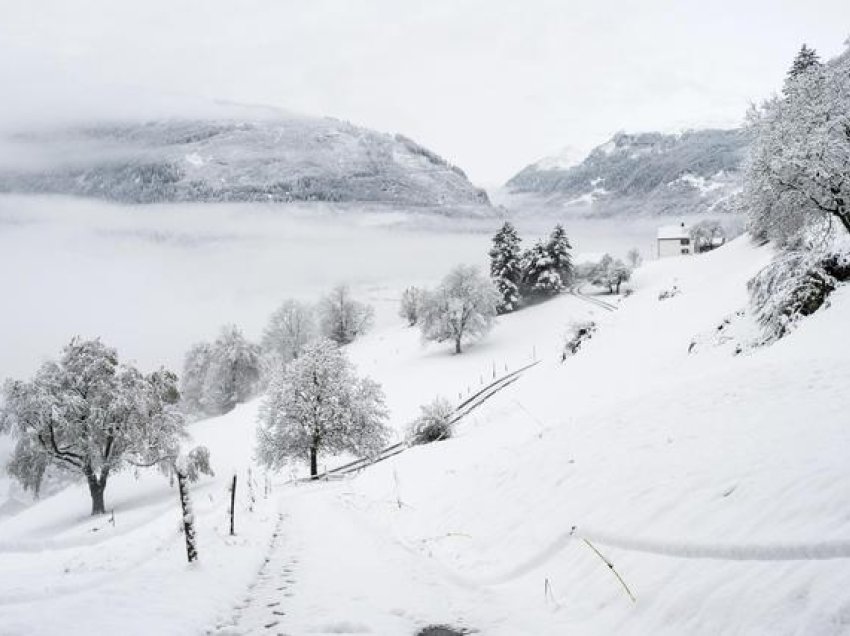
(674,240)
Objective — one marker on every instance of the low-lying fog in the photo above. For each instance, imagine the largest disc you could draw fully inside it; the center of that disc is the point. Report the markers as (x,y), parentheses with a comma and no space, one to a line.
(151,280)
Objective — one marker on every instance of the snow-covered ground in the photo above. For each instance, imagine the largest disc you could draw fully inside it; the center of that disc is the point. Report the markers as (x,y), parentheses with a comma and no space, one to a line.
(714,483)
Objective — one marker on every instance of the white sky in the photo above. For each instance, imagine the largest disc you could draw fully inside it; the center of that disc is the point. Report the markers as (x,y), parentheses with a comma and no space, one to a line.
(490,84)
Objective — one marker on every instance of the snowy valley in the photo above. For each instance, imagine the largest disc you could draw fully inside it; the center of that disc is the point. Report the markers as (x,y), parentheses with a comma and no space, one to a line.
(272,374)
(686,467)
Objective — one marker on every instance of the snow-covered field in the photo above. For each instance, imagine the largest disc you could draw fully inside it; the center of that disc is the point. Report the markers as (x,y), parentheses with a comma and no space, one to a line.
(714,483)
(152,280)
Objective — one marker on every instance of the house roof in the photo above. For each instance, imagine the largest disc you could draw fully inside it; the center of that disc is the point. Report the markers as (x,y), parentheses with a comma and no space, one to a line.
(680,231)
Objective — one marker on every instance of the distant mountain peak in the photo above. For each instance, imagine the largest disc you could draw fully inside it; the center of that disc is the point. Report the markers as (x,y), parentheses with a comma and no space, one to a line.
(646,172)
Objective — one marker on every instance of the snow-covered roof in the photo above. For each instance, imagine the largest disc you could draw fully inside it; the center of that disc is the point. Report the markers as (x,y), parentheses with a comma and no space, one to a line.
(680,231)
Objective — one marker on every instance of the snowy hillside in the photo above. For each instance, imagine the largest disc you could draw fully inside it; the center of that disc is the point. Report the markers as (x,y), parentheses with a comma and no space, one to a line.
(710,473)
(651,173)
(265,159)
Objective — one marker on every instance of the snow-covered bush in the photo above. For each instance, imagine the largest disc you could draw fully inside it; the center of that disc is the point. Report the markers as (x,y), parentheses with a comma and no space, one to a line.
(795,284)
(433,424)
(319,405)
(577,334)
(411,305)
(218,376)
(463,307)
(341,318)
(90,415)
(669,293)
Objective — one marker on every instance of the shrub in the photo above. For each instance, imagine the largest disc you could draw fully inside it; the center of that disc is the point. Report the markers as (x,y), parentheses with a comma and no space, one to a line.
(434,423)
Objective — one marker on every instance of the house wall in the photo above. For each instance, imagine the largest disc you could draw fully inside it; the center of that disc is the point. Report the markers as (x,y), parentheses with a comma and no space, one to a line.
(674,247)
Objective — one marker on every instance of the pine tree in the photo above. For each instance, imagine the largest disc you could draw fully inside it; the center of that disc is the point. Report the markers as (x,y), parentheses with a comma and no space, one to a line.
(540,276)
(559,250)
(506,267)
(806,59)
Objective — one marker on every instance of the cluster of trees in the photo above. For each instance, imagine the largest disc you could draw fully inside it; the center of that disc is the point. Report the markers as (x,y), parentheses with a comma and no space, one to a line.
(542,271)
(89,415)
(462,307)
(797,188)
(219,375)
(608,272)
(797,179)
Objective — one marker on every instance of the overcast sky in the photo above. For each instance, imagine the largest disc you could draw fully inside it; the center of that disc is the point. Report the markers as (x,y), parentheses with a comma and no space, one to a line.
(490,84)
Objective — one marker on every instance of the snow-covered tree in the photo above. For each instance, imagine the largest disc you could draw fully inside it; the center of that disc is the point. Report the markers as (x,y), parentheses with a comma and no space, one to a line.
(540,273)
(463,307)
(558,246)
(634,258)
(233,373)
(610,273)
(506,267)
(319,405)
(342,319)
(411,305)
(706,235)
(806,59)
(196,365)
(291,327)
(91,415)
(797,177)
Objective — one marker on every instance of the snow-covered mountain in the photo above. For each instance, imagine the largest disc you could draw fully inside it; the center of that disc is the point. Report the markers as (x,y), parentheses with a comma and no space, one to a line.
(654,173)
(289,158)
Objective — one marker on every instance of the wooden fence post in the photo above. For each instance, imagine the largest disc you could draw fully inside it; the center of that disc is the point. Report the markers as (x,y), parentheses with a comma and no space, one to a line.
(232,505)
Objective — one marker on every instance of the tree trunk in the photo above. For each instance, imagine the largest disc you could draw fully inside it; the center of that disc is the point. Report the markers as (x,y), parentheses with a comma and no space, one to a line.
(314,461)
(457,345)
(96,488)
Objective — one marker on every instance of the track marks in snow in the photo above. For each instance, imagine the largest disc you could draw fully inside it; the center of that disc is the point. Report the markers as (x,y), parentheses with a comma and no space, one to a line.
(263,606)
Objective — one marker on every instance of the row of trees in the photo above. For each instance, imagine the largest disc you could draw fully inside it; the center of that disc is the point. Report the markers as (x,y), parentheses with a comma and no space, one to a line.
(543,270)
(797,189)
(219,375)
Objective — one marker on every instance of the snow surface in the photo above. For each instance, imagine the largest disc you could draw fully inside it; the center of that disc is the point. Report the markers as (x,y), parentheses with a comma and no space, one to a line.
(714,482)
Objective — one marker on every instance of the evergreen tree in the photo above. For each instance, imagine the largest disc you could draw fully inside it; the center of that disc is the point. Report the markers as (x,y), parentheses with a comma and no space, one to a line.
(506,267)
(806,59)
(540,276)
(559,250)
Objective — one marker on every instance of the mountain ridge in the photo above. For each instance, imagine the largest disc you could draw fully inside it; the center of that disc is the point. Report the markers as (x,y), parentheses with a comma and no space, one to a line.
(281,159)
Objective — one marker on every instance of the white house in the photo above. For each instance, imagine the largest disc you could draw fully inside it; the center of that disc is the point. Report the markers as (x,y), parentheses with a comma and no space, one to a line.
(674,240)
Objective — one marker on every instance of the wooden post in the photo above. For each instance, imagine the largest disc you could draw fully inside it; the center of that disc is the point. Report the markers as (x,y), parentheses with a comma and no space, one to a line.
(232,505)
(188,516)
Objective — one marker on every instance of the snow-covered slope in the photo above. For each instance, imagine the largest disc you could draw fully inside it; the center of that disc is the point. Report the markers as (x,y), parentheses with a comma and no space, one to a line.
(713,481)
(286,158)
(695,171)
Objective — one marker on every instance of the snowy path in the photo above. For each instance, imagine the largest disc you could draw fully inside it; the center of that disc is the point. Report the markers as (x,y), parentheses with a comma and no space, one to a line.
(330,571)
(264,604)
